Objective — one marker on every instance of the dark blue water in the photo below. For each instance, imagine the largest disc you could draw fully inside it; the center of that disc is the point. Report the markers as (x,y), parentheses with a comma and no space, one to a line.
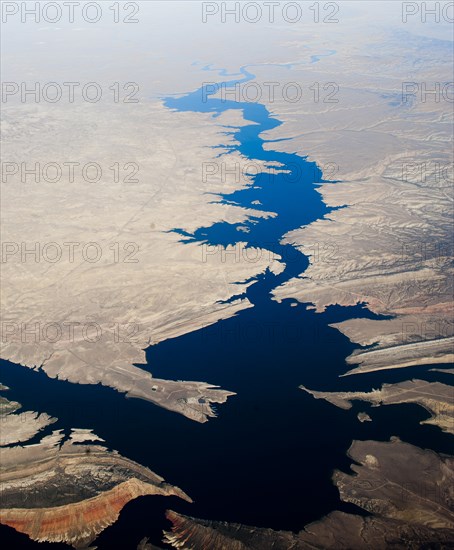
(291,193)
(268,458)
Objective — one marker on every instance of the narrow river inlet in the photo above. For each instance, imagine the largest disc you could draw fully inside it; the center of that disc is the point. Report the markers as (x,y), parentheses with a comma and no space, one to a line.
(289,192)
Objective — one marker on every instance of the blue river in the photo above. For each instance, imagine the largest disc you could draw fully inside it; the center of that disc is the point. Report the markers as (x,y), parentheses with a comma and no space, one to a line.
(267,460)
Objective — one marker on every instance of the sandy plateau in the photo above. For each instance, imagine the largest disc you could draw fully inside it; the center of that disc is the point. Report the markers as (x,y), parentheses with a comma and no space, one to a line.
(90,321)
(387,158)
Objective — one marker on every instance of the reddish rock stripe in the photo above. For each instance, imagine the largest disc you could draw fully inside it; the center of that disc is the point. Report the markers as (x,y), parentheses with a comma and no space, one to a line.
(79,523)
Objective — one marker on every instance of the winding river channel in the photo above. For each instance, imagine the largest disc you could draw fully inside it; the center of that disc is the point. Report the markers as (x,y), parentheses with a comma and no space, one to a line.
(267,460)
(290,193)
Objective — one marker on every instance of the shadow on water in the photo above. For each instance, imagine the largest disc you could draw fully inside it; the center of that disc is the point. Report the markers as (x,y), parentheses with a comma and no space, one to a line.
(267,460)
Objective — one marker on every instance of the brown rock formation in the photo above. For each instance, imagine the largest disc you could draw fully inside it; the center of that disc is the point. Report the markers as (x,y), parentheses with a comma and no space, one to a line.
(79,523)
(337,531)
(70,493)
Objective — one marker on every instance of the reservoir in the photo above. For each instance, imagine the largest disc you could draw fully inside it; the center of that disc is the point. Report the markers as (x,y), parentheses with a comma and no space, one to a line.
(267,460)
